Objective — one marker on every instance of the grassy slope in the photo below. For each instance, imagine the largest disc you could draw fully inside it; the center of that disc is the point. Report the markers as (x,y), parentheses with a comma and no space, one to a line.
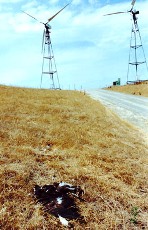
(140,89)
(91,147)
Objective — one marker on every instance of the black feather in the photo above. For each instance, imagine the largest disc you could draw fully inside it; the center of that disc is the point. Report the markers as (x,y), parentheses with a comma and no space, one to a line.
(59,199)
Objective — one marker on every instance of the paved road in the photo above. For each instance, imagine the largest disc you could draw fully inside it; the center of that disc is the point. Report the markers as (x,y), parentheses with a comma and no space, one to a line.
(131,108)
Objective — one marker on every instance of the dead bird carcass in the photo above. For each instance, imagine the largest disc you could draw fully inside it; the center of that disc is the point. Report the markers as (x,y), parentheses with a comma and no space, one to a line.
(59,199)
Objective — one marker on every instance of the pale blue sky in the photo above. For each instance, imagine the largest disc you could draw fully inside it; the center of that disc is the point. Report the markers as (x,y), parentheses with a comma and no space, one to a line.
(91,50)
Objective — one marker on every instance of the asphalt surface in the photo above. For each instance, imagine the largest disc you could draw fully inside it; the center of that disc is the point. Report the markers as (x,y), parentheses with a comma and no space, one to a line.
(131,108)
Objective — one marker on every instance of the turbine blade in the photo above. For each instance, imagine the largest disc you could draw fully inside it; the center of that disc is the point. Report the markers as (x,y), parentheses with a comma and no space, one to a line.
(133,2)
(116,13)
(57,13)
(30,15)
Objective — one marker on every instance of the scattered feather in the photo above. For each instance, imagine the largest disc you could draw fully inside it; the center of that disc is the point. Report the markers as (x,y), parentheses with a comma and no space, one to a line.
(63,221)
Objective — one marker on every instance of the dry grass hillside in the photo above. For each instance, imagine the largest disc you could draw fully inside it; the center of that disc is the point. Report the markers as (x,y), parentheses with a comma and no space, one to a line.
(66,136)
(139,89)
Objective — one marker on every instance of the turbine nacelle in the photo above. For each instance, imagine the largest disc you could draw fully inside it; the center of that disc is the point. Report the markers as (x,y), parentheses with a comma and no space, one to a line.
(47,26)
(135,12)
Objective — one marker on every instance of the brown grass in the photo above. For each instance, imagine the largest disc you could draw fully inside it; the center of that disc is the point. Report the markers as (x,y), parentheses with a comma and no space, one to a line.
(139,89)
(90,147)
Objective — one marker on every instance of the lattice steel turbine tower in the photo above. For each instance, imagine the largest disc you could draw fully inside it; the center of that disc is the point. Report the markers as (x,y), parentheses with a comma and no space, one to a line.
(136,52)
(49,65)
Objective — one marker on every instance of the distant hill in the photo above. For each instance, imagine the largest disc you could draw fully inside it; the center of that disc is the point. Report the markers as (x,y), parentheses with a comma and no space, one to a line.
(139,89)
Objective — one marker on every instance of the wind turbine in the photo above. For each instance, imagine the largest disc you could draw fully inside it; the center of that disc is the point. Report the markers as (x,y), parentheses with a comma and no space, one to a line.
(135,44)
(48,65)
